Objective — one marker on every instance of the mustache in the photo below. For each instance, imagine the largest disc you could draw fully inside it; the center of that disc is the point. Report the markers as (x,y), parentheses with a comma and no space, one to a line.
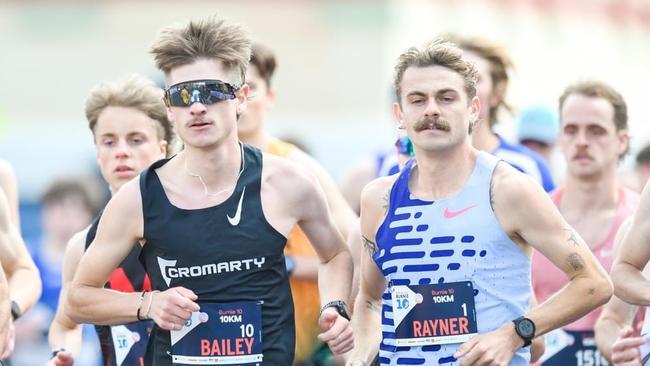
(437,123)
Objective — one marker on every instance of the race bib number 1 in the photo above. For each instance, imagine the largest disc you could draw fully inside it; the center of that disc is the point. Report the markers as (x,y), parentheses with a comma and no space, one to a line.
(434,314)
(220,334)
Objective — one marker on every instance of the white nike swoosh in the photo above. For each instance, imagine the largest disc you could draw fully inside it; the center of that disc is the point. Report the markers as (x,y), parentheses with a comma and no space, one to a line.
(234,221)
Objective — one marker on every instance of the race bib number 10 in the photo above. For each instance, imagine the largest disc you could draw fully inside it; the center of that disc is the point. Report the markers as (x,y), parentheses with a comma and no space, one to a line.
(434,314)
(130,342)
(220,334)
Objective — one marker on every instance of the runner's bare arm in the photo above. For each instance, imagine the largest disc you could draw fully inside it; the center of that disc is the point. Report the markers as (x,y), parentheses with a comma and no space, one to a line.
(538,345)
(10,187)
(338,206)
(527,214)
(616,314)
(629,283)
(526,211)
(64,333)
(355,243)
(5,310)
(335,270)
(21,272)
(367,311)
(119,229)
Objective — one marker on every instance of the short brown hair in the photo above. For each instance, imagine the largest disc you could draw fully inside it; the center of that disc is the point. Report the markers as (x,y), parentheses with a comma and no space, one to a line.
(62,189)
(500,67)
(436,53)
(132,92)
(598,89)
(211,38)
(264,61)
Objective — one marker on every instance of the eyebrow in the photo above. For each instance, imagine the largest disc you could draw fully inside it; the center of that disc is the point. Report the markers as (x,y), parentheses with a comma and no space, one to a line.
(438,92)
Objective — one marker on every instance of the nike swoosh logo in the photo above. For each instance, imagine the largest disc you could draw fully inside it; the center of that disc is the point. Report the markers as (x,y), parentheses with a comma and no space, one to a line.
(234,221)
(451,214)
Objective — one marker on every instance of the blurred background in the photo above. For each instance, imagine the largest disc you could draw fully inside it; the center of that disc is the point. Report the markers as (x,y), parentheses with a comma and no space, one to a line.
(335,61)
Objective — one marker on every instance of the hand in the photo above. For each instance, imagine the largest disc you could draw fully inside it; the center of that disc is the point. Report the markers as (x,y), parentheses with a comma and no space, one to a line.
(625,351)
(172,308)
(337,332)
(62,358)
(490,349)
(11,341)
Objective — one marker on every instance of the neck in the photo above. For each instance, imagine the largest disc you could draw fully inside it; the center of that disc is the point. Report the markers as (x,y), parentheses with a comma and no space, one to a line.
(483,138)
(216,166)
(441,174)
(257,138)
(590,193)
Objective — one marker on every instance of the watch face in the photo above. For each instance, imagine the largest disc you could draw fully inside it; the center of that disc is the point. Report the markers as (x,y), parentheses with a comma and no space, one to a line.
(526,328)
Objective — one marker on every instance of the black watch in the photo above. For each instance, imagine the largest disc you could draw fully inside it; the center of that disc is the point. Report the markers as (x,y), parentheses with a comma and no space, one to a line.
(525,328)
(15,310)
(56,352)
(340,307)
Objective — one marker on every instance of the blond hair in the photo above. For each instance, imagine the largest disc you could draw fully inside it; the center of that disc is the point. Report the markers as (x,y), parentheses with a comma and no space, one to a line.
(436,53)
(211,38)
(132,92)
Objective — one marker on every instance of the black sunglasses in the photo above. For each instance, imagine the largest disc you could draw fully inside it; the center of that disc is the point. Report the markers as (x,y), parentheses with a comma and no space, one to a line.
(201,91)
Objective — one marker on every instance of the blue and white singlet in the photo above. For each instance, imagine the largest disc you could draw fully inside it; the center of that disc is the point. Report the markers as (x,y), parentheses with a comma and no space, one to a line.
(448,241)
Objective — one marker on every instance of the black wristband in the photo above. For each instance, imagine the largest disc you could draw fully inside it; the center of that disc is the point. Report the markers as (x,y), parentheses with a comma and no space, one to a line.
(15,310)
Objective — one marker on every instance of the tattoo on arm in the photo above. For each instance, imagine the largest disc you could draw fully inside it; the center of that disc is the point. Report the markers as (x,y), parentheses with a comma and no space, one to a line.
(385,202)
(372,306)
(370,245)
(576,262)
(573,239)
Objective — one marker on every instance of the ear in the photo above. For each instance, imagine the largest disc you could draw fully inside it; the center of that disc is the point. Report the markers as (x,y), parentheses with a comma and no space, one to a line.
(474,114)
(242,97)
(624,142)
(163,147)
(271,95)
(397,113)
(168,109)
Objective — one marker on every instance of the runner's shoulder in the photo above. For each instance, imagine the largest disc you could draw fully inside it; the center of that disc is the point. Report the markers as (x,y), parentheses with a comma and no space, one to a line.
(376,192)
(128,197)
(509,187)
(286,175)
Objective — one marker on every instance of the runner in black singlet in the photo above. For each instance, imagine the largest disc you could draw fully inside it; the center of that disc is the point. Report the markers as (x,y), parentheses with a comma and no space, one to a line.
(213,221)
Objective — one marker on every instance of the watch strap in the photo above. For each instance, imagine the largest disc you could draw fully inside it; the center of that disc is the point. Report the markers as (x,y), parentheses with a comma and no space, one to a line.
(339,306)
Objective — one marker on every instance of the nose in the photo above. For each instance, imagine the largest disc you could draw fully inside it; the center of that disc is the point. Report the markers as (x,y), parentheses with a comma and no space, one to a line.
(581,138)
(122,150)
(198,109)
(432,109)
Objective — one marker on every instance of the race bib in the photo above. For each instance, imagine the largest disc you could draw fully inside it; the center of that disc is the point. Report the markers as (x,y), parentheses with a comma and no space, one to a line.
(566,347)
(434,314)
(220,334)
(130,342)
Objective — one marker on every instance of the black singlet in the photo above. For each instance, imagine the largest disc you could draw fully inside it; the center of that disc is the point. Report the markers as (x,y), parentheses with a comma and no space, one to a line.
(224,253)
